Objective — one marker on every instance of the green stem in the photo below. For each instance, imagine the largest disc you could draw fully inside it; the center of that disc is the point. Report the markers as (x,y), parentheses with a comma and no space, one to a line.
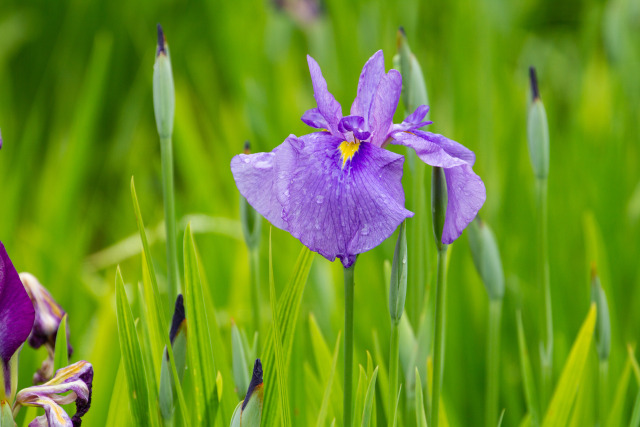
(166,154)
(393,370)
(254,265)
(603,389)
(348,344)
(546,344)
(493,362)
(438,349)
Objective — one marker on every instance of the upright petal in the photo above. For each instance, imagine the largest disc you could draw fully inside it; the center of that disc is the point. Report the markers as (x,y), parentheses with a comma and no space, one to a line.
(327,104)
(16,319)
(384,106)
(314,119)
(370,77)
(413,122)
(465,196)
(255,176)
(70,384)
(428,151)
(341,212)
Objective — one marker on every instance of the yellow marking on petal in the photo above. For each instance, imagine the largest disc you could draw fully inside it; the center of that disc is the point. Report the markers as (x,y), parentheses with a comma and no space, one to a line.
(348,150)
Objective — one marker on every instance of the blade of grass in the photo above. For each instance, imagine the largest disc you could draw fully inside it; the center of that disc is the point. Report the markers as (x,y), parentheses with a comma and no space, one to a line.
(527,374)
(119,414)
(324,407)
(61,353)
(368,401)
(572,373)
(618,405)
(280,371)
(421,416)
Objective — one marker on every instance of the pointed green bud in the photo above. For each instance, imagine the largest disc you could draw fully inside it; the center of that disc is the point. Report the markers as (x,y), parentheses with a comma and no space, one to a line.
(164,98)
(248,413)
(250,219)
(603,322)
(6,415)
(438,204)
(414,90)
(538,131)
(178,338)
(398,285)
(486,257)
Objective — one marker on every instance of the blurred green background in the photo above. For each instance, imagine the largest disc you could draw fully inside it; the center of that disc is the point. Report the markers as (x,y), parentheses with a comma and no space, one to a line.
(77,120)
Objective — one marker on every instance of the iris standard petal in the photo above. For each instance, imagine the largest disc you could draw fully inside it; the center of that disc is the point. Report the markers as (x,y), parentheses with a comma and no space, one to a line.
(384,105)
(354,124)
(413,121)
(327,104)
(465,196)
(255,176)
(314,119)
(341,211)
(70,384)
(370,77)
(428,151)
(16,317)
(453,148)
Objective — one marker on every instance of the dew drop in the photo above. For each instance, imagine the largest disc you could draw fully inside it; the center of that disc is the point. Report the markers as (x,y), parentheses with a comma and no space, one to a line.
(319,199)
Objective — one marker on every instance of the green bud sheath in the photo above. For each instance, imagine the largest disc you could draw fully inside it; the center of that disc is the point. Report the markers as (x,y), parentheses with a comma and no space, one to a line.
(603,322)
(538,132)
(414,90)
(438,204)
(486,257)
(6,415)
(164,99)
(398,285)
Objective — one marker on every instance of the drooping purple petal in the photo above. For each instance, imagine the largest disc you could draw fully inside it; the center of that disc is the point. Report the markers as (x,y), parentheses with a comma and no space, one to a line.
(428,151)
(466,194)
(314,119)
(255,176)
(413,121)
(354,124)
(370,77)
(453,148)
(16,317)
(341,212)
(328,107)
(383,107)
(70,384)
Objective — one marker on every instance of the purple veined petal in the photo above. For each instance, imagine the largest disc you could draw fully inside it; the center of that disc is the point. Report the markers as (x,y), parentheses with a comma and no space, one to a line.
(354,124)
(453,148)
(427,150)
(314,119)
(384,105)
(70,384)
(341,212)
(327,104)
(255,176)
(16,320)
(413,121)
(370,77)
(466,194)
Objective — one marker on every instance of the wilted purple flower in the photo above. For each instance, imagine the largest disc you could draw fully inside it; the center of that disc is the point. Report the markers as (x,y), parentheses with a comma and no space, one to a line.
(16,320)
(45,328)
(76,380)
(338,190)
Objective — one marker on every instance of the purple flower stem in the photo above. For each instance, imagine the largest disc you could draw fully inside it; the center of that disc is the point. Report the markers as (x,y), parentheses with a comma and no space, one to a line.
(348,344)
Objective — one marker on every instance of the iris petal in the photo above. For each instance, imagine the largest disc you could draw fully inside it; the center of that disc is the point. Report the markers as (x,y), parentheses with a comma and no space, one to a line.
(427,150)
(16,317)
(370,77)
(328,107)
(384,106)
(466,194)
(314,119)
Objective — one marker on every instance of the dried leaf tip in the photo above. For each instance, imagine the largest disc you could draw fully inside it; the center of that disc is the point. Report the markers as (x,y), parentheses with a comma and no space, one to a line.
(162,42)
(400,37)
(256,381)
(535,93)
(247,147)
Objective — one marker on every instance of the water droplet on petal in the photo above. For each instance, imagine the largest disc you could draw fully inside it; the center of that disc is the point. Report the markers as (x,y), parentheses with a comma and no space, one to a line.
(319,199)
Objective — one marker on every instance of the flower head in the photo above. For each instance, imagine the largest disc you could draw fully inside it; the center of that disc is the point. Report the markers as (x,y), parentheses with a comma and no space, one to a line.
(338,190)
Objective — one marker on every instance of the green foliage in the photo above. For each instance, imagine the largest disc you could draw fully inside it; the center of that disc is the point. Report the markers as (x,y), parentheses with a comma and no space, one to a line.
(61,354)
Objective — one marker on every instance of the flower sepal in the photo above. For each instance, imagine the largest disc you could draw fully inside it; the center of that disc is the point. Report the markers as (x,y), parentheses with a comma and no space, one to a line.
(6,414)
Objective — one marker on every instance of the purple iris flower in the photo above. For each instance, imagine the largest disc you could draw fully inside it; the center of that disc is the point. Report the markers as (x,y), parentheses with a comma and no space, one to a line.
(338,190)
(70,384)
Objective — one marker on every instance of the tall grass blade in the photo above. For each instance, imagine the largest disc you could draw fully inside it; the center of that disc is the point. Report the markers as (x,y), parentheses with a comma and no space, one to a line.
(530,392)
(421,415)
(119,413)
(619,398)
(61,353)
(324,407)
(368,401)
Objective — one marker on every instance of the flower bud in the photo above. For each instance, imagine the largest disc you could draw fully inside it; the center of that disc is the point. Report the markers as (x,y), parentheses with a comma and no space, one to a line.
(438,204)
(163,90)
(486,258)
(178,339)
(414,90)
(248,413)
(398,285)
(603,322)
(538,131)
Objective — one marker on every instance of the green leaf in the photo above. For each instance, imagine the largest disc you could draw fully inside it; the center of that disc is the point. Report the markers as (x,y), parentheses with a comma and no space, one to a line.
(398,283)
(619,398)
(368,401)
(635,416)
(200,354)
(323,360)
(421,415)
(527,374)
(288,310)
(119,413)
(327,390)
(361,390)
(395,419)
(61,353)
(280,367)
(572,373)
(240,370)
(132,357)
(501,418)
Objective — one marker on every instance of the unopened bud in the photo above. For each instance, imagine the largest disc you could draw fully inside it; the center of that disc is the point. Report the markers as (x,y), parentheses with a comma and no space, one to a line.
(486,257)
(414,90)
(538,131)
(438,204)
(398,285)
(163,90)
(603,322)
